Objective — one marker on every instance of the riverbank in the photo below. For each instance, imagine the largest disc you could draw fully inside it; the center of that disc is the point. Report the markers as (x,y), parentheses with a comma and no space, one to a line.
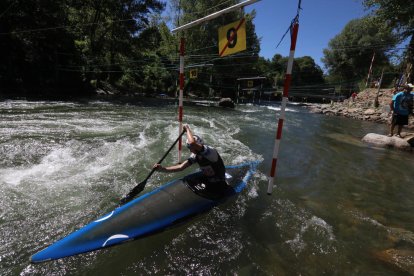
(369,105)
(363,107)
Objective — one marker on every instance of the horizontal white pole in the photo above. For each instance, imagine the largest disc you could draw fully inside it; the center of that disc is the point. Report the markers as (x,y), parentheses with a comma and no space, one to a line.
(214,15)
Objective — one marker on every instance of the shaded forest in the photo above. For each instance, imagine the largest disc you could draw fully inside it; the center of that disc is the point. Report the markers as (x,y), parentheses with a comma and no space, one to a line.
(70,49)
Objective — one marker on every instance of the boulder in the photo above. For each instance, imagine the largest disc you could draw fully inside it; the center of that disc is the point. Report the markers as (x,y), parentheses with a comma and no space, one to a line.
(354,110)
(226,102)
(369,111)
(409,137)
(384,141)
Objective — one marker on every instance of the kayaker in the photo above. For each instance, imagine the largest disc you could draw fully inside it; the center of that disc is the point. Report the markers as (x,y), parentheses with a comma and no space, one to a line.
(209,160)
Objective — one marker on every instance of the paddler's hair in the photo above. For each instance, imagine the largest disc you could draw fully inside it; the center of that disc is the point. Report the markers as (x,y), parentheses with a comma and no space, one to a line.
(197,139)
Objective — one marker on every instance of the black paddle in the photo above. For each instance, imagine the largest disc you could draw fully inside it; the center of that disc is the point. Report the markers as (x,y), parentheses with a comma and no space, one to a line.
(138,188)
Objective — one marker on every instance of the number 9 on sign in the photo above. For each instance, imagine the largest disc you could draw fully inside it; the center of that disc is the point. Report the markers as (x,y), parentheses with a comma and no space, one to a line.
(232,38)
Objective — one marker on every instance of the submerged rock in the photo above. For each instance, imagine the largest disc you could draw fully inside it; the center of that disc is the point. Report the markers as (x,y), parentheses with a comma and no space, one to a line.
(401,259)
(384,141)
(400,235)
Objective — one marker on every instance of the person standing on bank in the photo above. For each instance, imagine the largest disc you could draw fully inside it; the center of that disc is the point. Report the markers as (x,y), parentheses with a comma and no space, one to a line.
(401,106)
(353,96)
(209,160)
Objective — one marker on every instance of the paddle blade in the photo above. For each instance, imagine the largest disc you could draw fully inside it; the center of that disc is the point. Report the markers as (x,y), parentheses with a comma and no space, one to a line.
(133,193)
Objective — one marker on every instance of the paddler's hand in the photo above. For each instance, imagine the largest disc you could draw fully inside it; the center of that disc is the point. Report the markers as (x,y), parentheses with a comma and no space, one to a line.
(158,167)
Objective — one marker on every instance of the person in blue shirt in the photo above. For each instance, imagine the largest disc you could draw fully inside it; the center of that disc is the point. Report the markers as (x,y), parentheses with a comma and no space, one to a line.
(401,106)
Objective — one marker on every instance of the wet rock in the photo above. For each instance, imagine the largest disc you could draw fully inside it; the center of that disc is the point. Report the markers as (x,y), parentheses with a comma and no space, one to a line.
(369,111)
(354,110)
(226,102)
(399,235)
(409,137)
(401,259)
(384,141)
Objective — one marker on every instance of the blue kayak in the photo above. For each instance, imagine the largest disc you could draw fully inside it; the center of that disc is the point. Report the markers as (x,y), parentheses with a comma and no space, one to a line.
(152,212)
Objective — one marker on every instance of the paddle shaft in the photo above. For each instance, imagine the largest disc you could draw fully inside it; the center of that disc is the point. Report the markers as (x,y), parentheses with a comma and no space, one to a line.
(138,188)
(165,155)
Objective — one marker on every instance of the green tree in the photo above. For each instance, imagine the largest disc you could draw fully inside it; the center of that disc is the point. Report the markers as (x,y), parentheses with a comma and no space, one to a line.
(309,72)
(349,54)
(304,72)
(32,43)
(167,59)
(399,15)
(50,45)
(111,36)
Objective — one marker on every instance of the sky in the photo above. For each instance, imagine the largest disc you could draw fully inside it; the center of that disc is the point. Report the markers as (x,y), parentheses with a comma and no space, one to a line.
(319,22)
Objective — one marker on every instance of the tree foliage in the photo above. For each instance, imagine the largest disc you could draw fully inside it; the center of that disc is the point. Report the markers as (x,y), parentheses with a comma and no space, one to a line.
(399,15)
(349,54)
(304,72)
(47,44)
(29,58)
(64,48)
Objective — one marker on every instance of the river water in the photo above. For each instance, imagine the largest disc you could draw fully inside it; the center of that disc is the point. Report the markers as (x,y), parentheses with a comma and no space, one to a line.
(336,205)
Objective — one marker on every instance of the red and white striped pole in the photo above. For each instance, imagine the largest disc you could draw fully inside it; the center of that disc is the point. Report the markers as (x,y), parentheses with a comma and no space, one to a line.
(370,70)
(288,78)
(180,97)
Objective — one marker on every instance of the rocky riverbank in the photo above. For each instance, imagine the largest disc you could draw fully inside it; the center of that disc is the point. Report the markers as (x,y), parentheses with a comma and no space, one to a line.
(363,107)
(371,105)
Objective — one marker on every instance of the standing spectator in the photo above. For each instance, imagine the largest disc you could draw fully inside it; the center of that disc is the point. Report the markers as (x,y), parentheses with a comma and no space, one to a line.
(396,90)
(353,96)
(401,106)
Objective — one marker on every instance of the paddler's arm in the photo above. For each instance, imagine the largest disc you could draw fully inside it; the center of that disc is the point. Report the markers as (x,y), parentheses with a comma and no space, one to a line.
(392,106)
(175,168)
(190,139)
(189,134)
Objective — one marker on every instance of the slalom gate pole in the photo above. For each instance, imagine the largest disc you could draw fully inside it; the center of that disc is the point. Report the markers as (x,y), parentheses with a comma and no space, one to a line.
(180,97)
(370,70)
(288,78)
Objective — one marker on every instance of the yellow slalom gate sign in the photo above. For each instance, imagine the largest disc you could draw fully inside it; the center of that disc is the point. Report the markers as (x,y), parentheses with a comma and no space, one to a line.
(232,38)
(193,73)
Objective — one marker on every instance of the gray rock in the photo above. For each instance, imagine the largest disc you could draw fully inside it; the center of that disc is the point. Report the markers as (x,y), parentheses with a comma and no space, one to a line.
(226,102)
(369,111)
(384,141)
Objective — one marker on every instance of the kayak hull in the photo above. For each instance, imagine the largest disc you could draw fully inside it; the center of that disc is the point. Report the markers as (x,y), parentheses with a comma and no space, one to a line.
(149,213)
